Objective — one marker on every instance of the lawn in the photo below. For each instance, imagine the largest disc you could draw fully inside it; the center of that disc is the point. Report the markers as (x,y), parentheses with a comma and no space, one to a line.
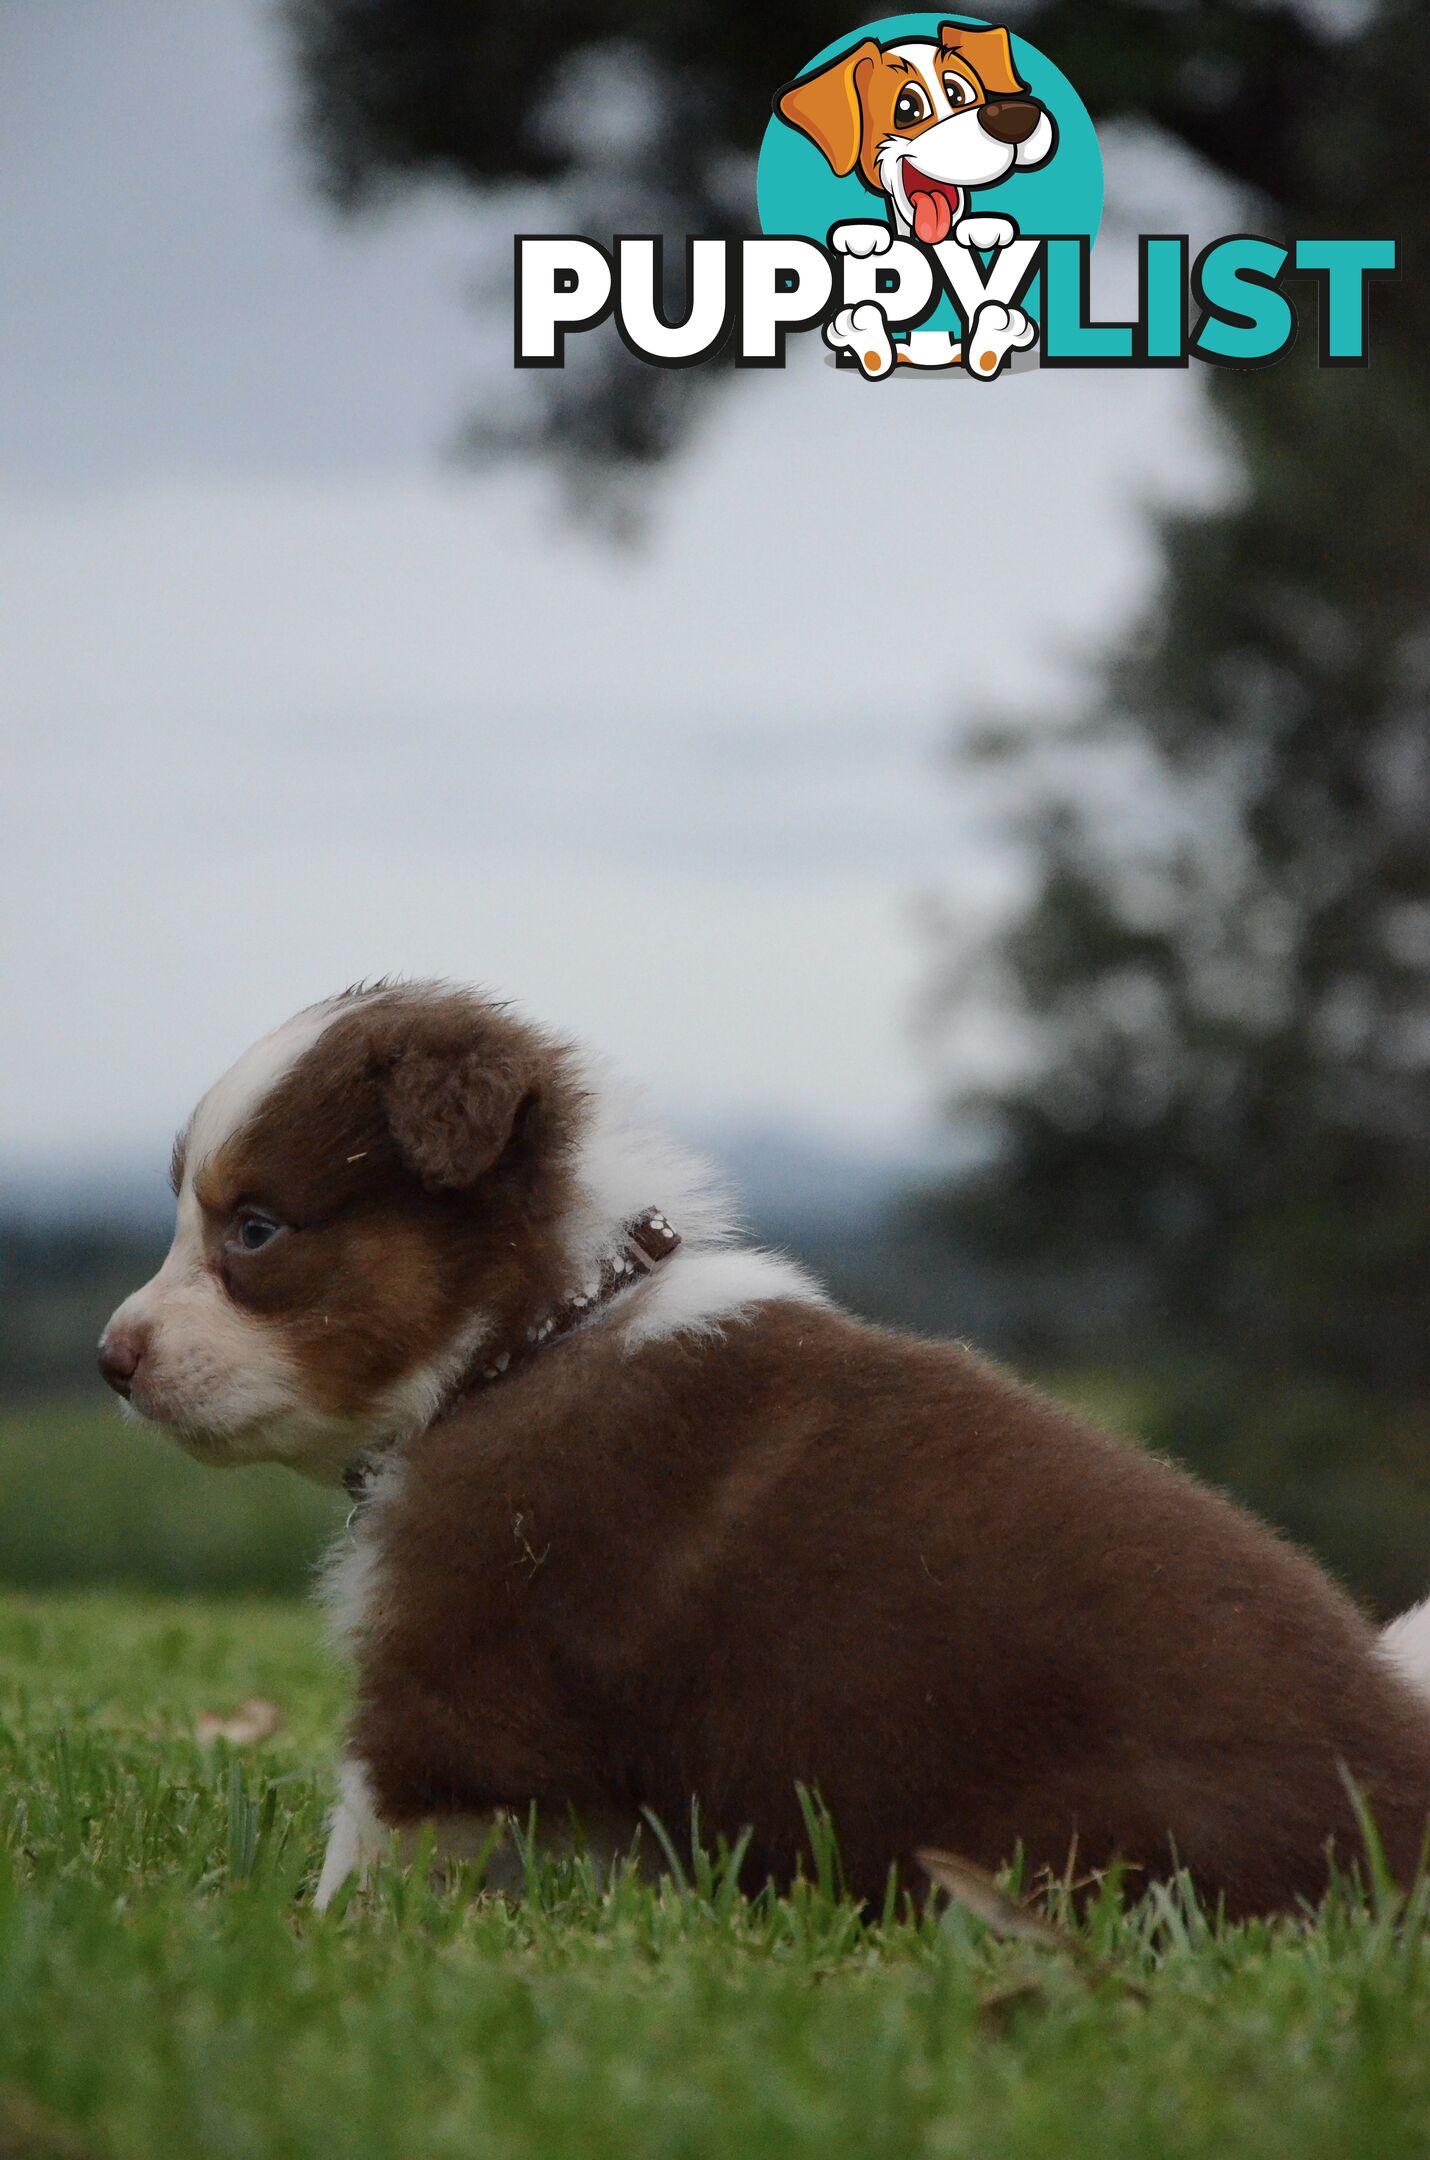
(86,1497)
(166,1990)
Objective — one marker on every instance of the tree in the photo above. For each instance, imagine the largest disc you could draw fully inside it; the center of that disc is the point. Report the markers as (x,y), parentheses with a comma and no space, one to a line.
(632,113)
(1229,998)
(1220,1132)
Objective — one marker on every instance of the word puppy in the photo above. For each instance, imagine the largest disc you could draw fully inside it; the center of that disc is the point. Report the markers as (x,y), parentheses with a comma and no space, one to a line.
(642,1518)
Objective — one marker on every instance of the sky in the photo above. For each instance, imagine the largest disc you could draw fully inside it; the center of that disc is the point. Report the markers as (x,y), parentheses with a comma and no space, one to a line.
(292,696)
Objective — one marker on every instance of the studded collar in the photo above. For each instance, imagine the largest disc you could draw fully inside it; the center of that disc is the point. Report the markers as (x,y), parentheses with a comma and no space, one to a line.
(646,1242)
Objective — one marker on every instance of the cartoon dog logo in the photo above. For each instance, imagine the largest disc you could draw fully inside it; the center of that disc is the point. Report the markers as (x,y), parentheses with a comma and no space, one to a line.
(924,121)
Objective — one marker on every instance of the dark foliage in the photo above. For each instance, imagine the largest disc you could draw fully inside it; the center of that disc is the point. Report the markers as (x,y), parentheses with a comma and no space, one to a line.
(1229,992)
(59,1283)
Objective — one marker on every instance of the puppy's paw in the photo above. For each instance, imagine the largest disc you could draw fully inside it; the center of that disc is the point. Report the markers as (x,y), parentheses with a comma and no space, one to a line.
(985,232)
(995,332)
(861,238)
(863,331)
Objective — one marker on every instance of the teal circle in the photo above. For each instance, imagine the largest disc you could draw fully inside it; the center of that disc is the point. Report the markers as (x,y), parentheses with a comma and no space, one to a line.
(796,191)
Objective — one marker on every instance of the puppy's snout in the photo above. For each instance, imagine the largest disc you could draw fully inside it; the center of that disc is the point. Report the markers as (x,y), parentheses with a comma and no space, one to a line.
(1010,120)
(120,1353)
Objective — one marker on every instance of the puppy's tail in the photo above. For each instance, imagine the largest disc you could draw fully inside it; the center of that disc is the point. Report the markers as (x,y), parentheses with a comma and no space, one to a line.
(1406,1642)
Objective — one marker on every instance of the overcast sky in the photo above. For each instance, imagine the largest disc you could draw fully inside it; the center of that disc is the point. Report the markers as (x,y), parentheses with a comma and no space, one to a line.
(292,698)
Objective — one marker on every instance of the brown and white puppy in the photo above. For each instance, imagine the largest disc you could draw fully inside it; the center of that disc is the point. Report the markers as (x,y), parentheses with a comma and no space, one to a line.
(718,1538)
(923,121)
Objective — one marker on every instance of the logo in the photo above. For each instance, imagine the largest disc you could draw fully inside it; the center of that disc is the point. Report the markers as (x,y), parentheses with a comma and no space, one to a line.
(922,151)
(929,192)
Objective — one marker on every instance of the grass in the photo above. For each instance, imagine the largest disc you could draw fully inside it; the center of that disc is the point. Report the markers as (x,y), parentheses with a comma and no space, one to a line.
(86,1498)
(165,1990)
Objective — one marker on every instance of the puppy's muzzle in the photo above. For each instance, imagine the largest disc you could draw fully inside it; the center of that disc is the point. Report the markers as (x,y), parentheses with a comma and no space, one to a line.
(1010,120)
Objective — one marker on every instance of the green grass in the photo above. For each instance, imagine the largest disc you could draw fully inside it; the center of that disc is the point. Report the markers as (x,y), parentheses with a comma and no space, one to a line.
(86,1498)
(165,1989)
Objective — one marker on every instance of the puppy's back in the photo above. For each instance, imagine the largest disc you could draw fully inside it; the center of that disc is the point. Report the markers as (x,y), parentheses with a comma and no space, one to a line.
(816,1551)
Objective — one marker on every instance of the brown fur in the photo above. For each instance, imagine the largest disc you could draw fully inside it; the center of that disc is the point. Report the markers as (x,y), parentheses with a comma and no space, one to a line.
(820,1552)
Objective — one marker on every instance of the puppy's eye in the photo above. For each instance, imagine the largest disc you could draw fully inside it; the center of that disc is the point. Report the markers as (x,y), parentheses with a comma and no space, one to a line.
(912,107)
(958,90)
(254,1231)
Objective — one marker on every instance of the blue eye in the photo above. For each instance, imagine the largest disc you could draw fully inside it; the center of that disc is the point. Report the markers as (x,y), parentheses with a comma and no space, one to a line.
(256,1231)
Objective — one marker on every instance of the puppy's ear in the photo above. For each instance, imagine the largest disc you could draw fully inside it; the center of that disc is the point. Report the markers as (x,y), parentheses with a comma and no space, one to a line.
(453,1108)
(826,107)
(988,53)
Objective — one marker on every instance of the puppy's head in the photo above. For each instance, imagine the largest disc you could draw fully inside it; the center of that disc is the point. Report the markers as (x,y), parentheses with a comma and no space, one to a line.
(369,1196)
(923,120)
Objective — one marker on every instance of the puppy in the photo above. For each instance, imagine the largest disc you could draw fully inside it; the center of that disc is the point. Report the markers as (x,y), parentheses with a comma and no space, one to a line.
(640,1517)
(923,121)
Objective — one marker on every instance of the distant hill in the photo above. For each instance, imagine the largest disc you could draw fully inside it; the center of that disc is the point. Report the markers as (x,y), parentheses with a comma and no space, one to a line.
(804,1185)
(780,1176)
(75,1239)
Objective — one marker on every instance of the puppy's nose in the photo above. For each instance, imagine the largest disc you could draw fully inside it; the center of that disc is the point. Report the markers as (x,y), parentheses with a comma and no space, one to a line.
(119,1355)
(1010,120)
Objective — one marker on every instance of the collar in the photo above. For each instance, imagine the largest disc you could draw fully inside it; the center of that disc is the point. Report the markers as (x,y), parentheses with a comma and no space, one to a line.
(646,1243)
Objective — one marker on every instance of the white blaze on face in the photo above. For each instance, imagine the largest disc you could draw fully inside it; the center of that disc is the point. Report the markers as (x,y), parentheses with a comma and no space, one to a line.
(921,53)
(218,1376)
(232,1100)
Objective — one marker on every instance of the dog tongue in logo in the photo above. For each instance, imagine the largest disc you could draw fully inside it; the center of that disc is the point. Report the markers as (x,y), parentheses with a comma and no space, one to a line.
(934,204)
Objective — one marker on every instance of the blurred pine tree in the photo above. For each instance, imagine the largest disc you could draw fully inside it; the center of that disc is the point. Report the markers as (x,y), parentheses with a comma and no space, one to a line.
(1228,994)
